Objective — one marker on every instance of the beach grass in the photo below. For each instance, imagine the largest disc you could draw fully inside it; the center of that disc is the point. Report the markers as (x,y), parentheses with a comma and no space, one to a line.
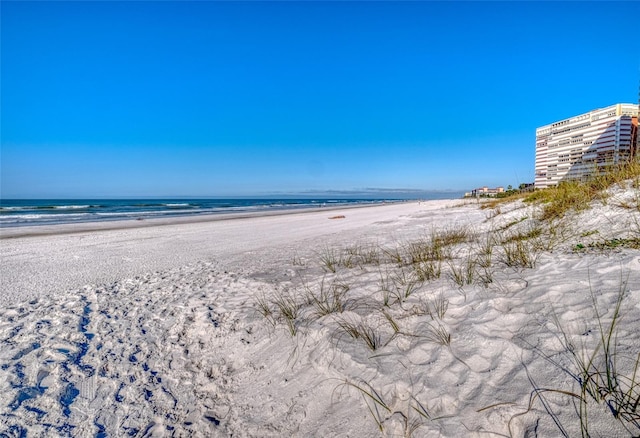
(413,414)
(518,254)
(378,408)
(288,309)
(330,259)
(363,331)
(463,273)
(435,332)
(572,194)
(604,375)
(435,307)
(365,254)
(327,298)
(577,195)
(410,310)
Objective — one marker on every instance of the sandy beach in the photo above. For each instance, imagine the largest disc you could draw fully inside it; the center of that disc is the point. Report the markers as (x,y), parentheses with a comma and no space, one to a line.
(436,318)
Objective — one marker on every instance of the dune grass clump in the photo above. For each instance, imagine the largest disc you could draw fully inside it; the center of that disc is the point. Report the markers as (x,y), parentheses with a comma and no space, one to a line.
(436,247)
(436,307)
(435,332)
(464,273)
(428,270)
(264,307)
(484,255)
(413,416)
(397,286)
(450,236)
(423,250)
(330,259)
(426,256)
(403,284)
(495,203)
(577,195)
(609,244)
(512,223)
(363,255)
(519,254)
(392,322)
(558,200)
(328,298)
(601,377)
(281,307)
(364,332)
(288,310)
(532,233)
(617,174)
(604,375)
(393,255)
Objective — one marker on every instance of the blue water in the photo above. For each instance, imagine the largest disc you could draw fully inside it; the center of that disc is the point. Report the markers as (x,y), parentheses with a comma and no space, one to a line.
(24,212)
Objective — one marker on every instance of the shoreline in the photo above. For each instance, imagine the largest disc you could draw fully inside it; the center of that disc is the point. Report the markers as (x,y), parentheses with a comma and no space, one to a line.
(13,232)
(45,259)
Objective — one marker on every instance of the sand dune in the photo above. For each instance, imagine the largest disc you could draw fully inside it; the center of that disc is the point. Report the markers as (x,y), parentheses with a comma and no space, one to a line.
(160,331)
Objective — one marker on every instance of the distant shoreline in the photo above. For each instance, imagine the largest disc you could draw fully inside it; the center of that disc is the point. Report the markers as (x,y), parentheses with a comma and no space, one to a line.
(13,232)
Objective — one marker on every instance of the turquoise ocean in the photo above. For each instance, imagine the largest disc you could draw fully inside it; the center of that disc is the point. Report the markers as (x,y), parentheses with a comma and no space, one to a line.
(24,212)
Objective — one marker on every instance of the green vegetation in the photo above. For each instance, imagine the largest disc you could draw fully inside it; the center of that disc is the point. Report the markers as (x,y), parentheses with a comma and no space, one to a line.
(610,244)
(413,416)
(603,375)
(400,295)
(328,299)
(363,331)
(577,195)
(573,194)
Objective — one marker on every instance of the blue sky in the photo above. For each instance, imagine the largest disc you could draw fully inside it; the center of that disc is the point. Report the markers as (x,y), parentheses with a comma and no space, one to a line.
(111,99)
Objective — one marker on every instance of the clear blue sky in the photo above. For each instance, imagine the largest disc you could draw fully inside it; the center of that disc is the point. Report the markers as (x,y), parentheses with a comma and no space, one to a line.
(239,98)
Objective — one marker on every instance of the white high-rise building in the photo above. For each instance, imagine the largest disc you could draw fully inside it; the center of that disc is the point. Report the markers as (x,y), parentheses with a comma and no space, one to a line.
(576,147)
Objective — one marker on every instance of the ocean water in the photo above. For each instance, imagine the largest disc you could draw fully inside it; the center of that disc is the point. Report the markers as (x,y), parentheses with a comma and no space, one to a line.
(23,212)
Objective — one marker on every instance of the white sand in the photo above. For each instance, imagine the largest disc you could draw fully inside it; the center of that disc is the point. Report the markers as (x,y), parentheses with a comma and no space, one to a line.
(154,330)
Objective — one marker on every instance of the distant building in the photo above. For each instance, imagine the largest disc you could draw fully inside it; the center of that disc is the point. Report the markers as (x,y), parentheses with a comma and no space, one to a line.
(484,192)
(575,148)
